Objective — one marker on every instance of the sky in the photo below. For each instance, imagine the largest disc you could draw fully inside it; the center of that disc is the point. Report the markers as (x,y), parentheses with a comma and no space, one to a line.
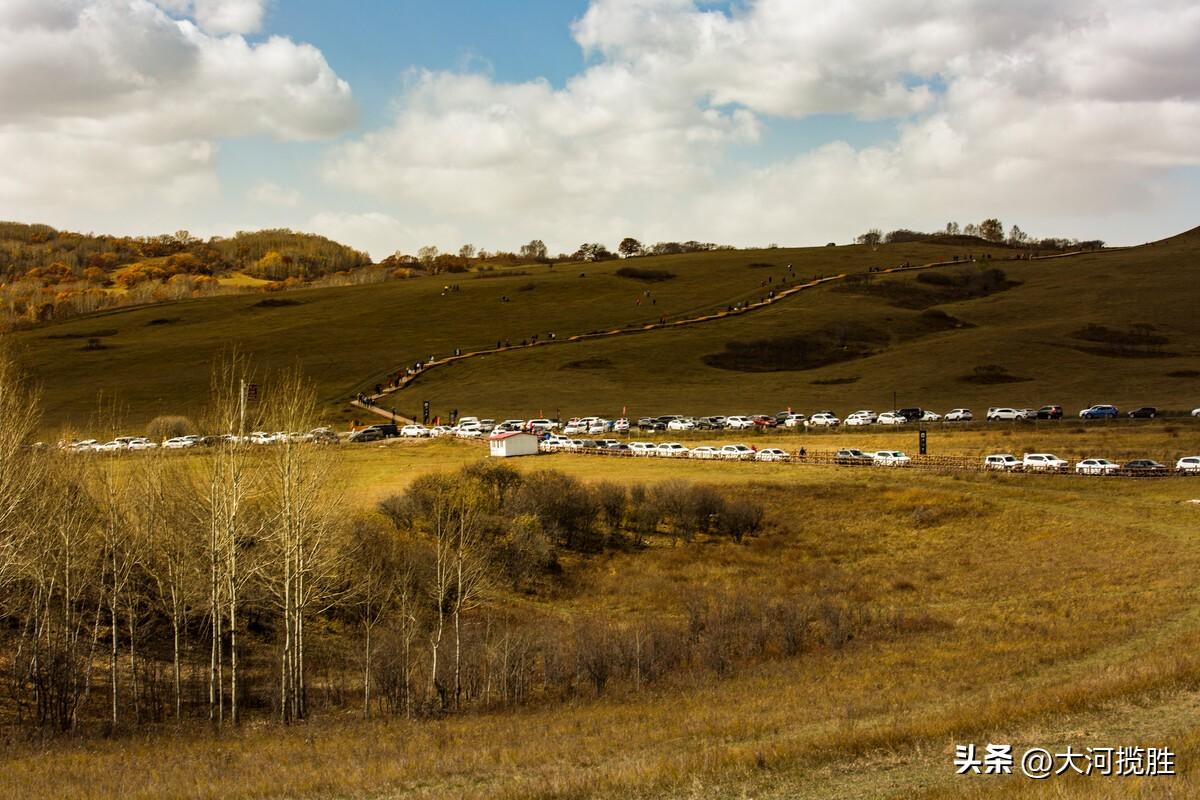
(395,124)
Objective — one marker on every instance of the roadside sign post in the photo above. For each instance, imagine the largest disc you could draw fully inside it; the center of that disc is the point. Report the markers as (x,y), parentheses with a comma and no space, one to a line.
(424,413)
(924,435)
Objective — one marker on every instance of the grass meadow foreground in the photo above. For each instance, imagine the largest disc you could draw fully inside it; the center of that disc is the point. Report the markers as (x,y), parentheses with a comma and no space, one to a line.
(1039,612)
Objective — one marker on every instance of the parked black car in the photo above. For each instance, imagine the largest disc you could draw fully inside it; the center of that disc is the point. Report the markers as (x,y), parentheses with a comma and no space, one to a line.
(1145,466)
(1145,412)
(1050,412)
(853,457)
(911,414)
(367,435)
(386,430)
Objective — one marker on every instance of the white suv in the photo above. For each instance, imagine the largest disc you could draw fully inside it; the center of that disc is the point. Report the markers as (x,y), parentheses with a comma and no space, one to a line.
(1043,462)
(824,420)
(860,418)
(959,415)
(1096,466)
(1188,464)
(739,423)
(891,418)
(1002,461)
(671,450)
(1000,414)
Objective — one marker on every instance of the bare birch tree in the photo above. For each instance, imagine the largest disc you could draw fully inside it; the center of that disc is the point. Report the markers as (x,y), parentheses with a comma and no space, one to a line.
(21,471)
(173,563)
(447,511)
(226,492)
(301,530)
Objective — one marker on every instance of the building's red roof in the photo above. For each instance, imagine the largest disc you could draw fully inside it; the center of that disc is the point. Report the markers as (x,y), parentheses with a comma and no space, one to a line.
(507,434)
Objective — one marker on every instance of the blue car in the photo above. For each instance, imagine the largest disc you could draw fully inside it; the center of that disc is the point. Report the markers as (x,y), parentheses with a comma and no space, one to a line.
(1099,412)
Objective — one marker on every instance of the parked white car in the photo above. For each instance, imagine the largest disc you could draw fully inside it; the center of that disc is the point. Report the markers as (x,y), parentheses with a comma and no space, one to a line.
(599,426)
(704,451)
(738,423)
(621,425)
(671,450)
(772,454)
(441,430)
(1196,412)
(824,420)
(642,448)
(1043,462)
(471,430)
(541,425)
(142,444)
(1002,461)
(1188,464)
(794,421)
(736,452)
(682,424)
(573,428)
(891,458)
(959,415)
(414,431)
(1096,466)
(891,418)
(181,442)
(860,418)
(1006,414)
(930,416)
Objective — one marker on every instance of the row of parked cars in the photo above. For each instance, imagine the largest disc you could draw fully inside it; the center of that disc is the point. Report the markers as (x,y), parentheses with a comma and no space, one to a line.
(135,443)
(473,427)
(728,452)
(849,456)
(1100,411)
(1048,462)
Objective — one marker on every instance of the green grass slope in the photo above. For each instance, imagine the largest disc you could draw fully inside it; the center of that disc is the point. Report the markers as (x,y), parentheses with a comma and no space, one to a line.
(852,347)
(155,359)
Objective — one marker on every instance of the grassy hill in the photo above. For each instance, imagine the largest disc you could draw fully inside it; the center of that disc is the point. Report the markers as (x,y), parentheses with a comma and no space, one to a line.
(1111,326)
(155,358)
(1117,326)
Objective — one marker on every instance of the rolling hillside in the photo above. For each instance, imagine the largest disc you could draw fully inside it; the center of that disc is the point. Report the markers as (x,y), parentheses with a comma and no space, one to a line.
(1117,326)
(155,358)
(1114,326)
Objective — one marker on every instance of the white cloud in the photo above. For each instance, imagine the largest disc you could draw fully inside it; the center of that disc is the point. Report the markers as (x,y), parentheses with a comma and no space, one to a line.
(379,234)
(220,16)
(114,101)
(1023,109)
(266,193)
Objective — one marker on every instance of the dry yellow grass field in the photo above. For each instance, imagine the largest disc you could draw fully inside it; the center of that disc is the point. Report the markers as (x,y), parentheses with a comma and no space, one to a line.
(1046,612)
